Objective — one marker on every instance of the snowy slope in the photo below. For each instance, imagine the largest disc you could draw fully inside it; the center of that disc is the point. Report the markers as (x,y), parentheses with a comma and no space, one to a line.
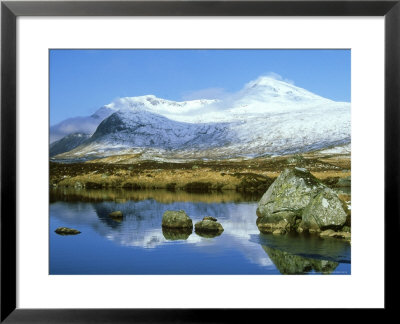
(88,125)
(267,117)
(140,128)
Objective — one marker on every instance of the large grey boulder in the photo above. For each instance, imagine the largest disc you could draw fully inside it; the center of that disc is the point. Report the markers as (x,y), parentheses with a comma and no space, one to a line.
(299,201)
(283,203)
(324,211)
(176,219)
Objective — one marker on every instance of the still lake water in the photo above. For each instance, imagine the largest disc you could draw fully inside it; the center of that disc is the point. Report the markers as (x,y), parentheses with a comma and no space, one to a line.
(137,244)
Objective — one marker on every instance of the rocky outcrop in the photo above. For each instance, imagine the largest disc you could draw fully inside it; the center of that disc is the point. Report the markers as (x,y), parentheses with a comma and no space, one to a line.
(283,203)
(176,219)
(66,231)
(299,201)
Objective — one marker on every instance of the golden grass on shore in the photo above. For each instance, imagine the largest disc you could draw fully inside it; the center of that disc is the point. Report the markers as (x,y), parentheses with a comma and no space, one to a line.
(251,175)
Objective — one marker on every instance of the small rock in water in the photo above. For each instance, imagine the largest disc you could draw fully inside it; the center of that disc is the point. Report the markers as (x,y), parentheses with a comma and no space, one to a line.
(116,214)
(327,233)
(342,235)
(210,218)
(176,219)
(66,231)
(208,226)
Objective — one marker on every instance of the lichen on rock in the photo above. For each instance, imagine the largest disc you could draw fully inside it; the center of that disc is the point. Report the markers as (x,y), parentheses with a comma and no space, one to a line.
(324,211)
(297,201)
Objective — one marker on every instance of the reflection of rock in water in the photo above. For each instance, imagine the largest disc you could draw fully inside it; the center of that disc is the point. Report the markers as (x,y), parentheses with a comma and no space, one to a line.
(307,245)
(288,263)
(174,234)
(208,234)
(141,224)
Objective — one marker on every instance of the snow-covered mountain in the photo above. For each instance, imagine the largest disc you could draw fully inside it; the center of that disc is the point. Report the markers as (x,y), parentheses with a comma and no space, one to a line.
(267,117)
(88,124)
(140,128)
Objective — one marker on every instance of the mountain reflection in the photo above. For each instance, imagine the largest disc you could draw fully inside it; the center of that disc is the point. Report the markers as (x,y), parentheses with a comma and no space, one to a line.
(162,196)
(140,226)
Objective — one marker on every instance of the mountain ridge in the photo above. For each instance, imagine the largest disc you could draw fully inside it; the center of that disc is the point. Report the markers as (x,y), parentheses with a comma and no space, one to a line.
(267,117)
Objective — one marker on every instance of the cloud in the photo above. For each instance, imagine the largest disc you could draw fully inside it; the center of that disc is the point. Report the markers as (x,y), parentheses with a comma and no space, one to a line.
(277,76)
(208,93)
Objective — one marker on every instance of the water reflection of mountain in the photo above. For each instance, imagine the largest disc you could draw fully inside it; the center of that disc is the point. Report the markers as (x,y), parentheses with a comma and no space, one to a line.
(151,210)
(288,263)
(141,228)
(162,196)
(141,224)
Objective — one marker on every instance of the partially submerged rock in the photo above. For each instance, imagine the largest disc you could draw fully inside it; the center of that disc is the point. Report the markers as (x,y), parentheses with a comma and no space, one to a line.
(176,219)
(116,215)
(297,201)
(284,201)
(66,231)
(332,233)
(342,235)
(326,233)
(208,226)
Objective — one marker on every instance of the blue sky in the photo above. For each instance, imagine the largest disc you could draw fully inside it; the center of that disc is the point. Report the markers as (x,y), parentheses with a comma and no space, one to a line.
(81,81)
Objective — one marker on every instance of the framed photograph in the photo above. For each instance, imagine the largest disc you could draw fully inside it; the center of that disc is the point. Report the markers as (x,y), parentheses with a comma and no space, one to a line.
(175,160)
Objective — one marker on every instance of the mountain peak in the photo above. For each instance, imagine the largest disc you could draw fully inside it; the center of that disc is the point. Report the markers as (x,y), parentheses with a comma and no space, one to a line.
(270,88)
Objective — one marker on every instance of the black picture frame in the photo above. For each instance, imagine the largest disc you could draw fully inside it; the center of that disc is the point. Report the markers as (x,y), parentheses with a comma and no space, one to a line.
(10,10)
